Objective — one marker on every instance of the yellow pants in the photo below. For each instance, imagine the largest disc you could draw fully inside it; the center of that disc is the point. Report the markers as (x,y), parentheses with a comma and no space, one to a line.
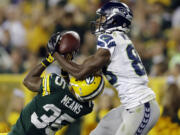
(3,133)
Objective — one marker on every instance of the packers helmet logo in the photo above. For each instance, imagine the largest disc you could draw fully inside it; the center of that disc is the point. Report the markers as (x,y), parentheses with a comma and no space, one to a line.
(90,80)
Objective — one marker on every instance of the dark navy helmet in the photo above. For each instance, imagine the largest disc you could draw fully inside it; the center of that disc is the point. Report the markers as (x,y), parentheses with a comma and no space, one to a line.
(112,16)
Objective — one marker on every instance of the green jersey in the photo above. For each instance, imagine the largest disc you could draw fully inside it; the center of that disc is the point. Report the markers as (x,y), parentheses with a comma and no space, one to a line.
(54,107)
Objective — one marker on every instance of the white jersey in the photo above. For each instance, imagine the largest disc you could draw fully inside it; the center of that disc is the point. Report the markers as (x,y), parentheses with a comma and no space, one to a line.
(125,71)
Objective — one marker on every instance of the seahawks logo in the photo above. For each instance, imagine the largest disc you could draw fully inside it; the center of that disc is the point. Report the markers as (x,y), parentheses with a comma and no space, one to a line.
(90,80)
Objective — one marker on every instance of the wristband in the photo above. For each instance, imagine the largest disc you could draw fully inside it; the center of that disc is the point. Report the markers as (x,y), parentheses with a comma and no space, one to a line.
(47,61)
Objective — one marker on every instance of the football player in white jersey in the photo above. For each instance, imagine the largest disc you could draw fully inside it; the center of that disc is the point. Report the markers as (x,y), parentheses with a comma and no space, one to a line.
(122,66)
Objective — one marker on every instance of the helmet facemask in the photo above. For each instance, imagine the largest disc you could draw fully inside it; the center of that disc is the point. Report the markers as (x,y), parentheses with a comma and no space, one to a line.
(97,25)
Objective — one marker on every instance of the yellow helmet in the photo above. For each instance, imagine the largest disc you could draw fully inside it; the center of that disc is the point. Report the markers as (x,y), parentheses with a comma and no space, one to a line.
(87,89)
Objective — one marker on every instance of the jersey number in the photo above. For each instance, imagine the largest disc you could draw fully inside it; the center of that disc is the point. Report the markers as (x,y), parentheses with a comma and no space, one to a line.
(112,79)
(56,119)
(136,61)
(60,82)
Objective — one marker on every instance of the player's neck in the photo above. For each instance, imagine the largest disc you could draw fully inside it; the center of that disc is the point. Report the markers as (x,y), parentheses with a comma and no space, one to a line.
(72,91)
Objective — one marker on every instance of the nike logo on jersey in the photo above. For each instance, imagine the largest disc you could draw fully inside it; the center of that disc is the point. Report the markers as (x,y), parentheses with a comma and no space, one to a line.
(106,38)
(71,104)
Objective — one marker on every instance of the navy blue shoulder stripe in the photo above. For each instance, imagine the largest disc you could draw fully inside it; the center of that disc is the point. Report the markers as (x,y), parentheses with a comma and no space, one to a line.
(99,43)
(111,44)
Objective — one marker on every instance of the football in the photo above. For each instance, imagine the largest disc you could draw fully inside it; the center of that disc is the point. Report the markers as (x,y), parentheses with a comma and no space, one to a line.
(69,42)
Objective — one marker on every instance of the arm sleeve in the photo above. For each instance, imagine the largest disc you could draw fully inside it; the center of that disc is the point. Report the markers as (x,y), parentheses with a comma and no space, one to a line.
(106,42)
(52,83)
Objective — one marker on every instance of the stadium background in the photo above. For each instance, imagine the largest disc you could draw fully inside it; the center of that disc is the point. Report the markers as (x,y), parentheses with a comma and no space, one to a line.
(26,25)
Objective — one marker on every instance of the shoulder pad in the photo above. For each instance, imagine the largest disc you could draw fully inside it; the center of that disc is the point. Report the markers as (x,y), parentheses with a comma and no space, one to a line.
(106,40)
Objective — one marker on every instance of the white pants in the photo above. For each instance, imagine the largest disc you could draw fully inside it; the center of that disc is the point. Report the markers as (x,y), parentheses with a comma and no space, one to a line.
(136,121)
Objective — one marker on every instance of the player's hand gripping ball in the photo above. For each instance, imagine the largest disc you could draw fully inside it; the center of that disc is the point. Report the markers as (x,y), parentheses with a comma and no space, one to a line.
(69,42)
(64,43)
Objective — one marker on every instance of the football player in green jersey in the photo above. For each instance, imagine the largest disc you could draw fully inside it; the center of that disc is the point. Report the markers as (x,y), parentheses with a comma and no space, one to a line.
(56,104)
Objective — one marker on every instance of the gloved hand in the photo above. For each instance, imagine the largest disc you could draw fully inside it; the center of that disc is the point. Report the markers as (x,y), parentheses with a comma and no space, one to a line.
(53,42)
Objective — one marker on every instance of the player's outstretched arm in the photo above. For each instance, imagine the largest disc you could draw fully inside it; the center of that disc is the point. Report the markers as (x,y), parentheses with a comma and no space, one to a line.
(33,79)
(90,66)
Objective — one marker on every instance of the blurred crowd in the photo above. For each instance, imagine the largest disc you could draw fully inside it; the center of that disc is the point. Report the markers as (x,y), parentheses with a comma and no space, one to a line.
(26,25)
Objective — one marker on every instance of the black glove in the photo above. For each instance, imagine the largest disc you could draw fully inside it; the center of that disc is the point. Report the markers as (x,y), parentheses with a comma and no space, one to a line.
(52,43)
